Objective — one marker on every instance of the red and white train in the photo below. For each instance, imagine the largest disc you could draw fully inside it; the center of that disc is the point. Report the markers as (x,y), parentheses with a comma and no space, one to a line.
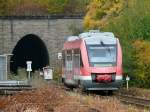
(92,60)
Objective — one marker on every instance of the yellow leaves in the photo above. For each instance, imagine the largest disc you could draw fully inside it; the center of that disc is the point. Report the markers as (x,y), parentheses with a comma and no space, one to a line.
(142,62)
(116,7)
(100,11)
(142,49)
(91,24)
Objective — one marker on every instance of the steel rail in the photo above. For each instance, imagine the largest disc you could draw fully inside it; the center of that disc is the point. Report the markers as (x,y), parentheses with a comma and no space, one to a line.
(137,101)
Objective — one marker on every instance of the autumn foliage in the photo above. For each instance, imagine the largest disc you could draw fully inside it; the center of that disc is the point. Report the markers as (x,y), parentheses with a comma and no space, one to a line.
(141,63)
(41,7)
(100,11)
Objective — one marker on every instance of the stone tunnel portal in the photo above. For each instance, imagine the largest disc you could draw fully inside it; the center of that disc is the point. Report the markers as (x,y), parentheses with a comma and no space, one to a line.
(29,48)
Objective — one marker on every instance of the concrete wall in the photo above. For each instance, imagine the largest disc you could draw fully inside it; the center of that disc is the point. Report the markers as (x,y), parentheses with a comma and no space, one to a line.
(51,31)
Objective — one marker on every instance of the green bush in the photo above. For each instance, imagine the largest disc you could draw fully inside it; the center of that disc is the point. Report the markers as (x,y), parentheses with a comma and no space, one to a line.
(141,63)
(76,30)
(100,14)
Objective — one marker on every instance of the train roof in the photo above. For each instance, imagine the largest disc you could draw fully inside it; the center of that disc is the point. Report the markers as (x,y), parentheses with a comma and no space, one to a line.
(72,38)
(95,37)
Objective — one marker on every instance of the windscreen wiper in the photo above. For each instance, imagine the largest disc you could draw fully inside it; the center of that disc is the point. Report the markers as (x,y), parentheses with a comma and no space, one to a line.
(108,49)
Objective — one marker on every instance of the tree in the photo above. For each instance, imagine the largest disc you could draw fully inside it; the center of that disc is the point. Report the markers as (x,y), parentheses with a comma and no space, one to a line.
(100,11)
(3,7)
(41,7)
(28,8)
(141,63)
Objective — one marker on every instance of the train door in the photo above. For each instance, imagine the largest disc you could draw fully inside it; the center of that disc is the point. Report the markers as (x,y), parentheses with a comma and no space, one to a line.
(76,65)
(69,67)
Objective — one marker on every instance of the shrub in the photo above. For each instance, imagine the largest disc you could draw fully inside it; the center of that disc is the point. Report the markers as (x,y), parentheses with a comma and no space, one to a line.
(42,7)
(76,30)
(141,63)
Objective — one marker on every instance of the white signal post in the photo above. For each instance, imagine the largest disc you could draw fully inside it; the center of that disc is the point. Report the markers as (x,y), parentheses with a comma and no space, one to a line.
(127,81)
(59,55)
(29,69)
(6,55)
(48,73)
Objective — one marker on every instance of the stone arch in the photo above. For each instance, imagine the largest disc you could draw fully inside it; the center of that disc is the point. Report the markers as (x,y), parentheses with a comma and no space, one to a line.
(29,48)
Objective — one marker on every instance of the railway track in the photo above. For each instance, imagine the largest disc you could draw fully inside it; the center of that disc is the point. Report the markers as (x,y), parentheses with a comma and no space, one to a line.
(127,99)
(12,87)
(137,101)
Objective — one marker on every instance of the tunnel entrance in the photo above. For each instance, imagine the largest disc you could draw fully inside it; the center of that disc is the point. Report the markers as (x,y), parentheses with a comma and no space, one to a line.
(29,48)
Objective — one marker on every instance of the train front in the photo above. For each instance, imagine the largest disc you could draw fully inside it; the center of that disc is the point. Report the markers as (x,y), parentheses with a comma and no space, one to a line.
(104,68)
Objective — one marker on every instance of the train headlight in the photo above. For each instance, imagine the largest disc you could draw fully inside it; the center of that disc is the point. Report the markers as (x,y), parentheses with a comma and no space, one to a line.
(119,77)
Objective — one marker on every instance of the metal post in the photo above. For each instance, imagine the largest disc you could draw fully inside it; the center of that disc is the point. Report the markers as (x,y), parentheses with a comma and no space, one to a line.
(127,82)
(6,67)
(29,69)
(6,55)
(127,85)
(29,75)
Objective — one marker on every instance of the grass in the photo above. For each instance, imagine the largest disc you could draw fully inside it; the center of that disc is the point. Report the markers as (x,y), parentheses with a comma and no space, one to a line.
(139,92)
(53,98)
(22,75)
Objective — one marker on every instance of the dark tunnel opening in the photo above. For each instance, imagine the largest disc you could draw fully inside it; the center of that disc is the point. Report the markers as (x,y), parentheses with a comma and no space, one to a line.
(29,48)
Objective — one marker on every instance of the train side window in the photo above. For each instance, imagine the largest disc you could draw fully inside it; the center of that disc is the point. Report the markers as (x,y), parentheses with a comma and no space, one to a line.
(69,55)
(69,66)
(81,61)
(76,51)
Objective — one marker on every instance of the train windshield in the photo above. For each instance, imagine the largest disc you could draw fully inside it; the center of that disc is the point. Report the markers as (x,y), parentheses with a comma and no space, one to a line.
(102,56)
